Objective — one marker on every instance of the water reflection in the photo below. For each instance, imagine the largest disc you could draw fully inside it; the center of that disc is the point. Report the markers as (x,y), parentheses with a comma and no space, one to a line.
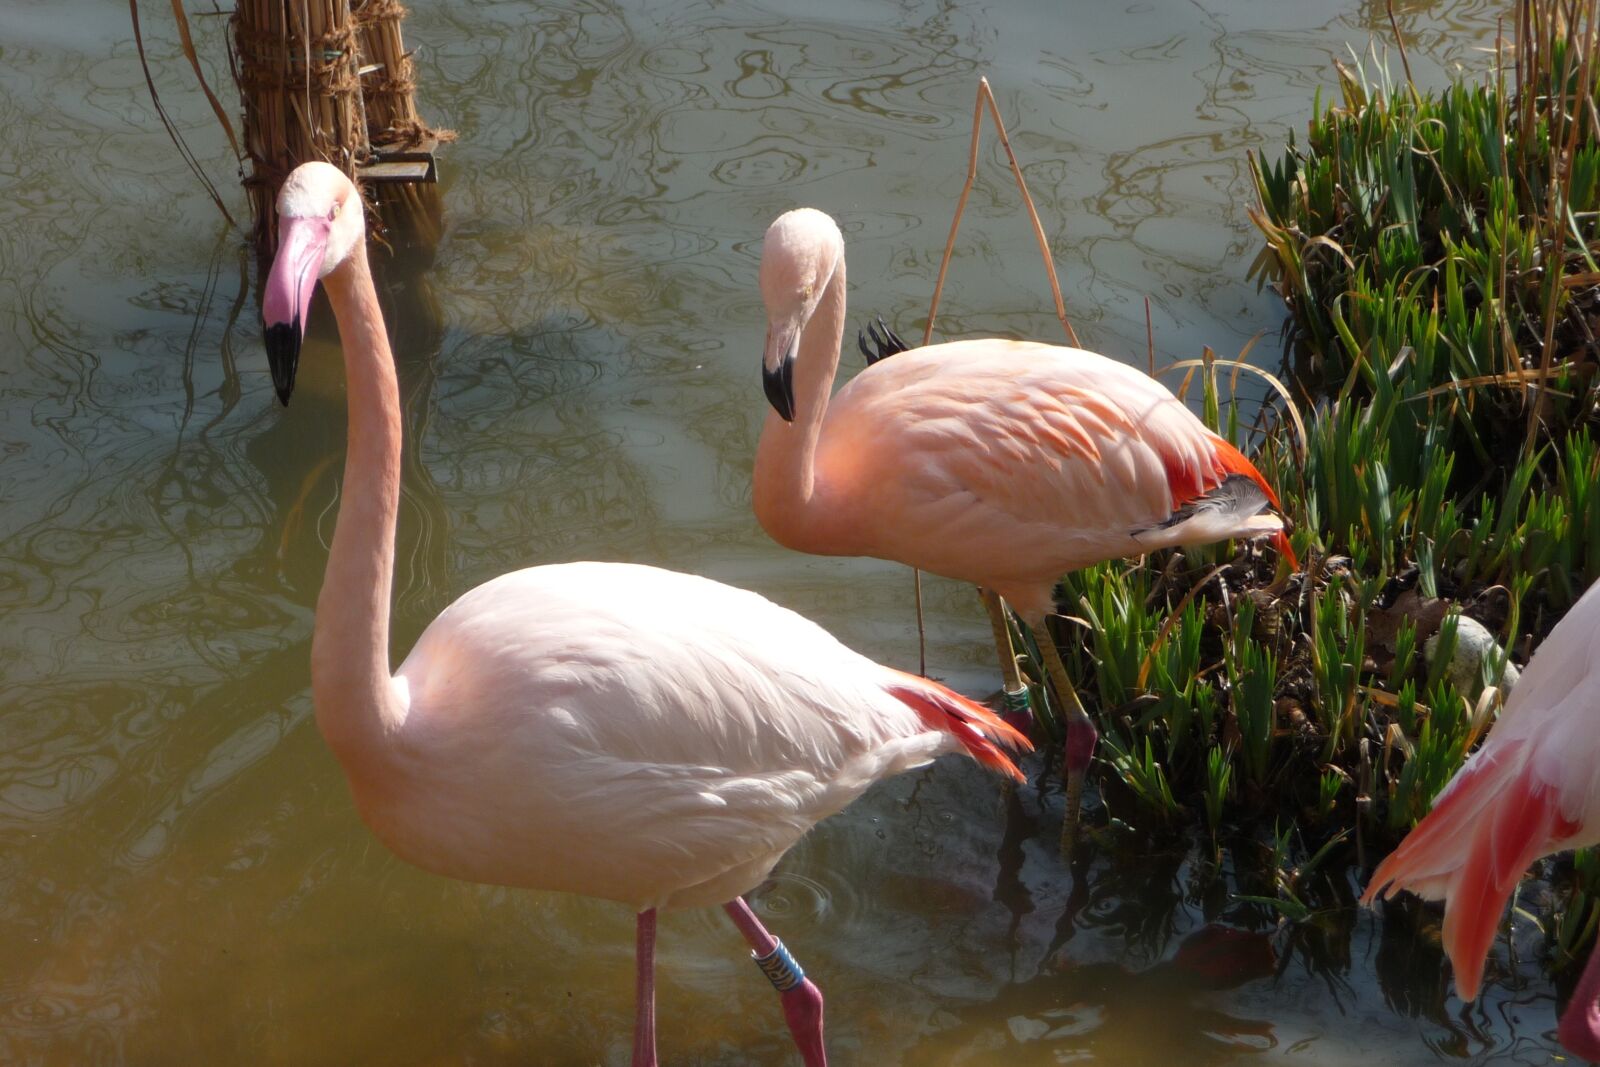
(182,877)
(1065,1015)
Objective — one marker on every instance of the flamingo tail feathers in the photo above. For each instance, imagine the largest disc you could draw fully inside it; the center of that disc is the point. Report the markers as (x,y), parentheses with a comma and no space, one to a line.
(1472,849)
(984,735)
(1234,462)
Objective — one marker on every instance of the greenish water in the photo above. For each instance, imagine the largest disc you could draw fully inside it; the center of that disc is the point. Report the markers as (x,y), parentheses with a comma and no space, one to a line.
(182,877)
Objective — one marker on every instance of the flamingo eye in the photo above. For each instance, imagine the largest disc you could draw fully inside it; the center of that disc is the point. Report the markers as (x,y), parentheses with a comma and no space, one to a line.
(333,212)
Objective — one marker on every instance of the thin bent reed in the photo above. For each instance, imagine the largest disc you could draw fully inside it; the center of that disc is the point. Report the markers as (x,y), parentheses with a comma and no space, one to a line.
(985,97)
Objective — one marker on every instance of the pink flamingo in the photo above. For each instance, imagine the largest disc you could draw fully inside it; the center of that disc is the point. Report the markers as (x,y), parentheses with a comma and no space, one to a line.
(611,730)
(1533,789)
(1002,463)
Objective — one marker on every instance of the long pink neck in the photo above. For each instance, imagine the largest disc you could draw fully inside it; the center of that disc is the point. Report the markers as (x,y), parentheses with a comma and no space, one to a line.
(355,704)
(788,500)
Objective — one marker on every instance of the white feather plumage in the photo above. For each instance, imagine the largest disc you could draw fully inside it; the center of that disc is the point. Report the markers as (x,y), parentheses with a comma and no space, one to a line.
(683,732)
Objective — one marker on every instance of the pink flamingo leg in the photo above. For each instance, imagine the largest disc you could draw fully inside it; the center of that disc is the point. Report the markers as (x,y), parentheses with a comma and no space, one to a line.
(1081,733)
(1579,1031)
(802,1000)
(644,1024)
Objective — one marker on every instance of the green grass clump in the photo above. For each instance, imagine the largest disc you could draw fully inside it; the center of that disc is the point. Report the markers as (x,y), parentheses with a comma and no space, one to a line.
(1411,238)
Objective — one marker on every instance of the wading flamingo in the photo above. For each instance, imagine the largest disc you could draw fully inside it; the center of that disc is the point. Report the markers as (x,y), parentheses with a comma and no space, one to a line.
(1533,789)
(1002,463)
(598,728)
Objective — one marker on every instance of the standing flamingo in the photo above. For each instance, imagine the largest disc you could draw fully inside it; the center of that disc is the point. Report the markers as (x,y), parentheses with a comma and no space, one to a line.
(1002,463)
(1533,789)
(598,728)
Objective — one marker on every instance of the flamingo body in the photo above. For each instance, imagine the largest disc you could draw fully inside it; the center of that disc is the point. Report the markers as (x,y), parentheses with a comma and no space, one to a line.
(1002,463)
(631,733)
(1009,463)
(1532,790)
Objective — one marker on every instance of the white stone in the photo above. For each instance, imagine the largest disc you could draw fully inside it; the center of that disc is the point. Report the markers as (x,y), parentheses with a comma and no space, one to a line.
(1474,642)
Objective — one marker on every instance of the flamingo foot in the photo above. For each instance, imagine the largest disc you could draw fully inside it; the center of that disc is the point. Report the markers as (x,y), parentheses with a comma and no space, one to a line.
(1081,739)
(1579,1030)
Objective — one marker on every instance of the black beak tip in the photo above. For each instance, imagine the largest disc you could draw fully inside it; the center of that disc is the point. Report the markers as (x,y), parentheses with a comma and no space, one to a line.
(779,386)
(283,356)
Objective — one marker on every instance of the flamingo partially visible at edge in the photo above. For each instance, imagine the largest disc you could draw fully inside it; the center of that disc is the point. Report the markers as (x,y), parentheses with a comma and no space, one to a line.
(611,730)
(1532,790)
(1002,463)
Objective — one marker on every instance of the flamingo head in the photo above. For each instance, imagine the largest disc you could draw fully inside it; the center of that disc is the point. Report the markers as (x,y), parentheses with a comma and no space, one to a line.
(802,251)
(319,224)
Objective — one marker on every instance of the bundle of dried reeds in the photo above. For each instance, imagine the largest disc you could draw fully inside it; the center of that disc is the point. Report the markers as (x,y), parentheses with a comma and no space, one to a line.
(387,83)
(328,80)
(296,65)
(413,210)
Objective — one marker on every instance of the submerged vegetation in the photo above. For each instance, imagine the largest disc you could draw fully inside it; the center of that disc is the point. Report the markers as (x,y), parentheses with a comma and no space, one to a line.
(1437,255)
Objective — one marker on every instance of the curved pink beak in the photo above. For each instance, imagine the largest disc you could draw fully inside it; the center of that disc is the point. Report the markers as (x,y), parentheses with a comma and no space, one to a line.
(286,304)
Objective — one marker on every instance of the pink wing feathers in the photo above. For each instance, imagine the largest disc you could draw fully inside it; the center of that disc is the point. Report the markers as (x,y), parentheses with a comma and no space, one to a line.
(1054,457)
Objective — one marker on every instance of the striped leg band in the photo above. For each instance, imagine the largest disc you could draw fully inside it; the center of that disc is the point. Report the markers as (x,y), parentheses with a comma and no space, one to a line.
(780,968)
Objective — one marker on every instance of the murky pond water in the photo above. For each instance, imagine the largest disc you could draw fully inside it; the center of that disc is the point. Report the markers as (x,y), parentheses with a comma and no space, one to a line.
(182,876)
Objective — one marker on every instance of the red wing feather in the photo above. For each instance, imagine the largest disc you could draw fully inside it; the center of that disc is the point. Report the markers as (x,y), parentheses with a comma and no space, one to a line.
(975,726)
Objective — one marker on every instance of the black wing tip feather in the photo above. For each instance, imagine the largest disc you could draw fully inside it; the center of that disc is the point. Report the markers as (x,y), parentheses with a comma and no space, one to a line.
(1237,492)
(878,341)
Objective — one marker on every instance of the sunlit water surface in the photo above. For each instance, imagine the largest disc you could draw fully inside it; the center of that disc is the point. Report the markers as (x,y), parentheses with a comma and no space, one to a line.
(182,876)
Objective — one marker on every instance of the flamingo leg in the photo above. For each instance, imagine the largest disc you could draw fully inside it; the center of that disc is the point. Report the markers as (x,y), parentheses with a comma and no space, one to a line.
(644,1024)
(1016,711)
(802,1000)
(1081,734)
(1579,1030)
